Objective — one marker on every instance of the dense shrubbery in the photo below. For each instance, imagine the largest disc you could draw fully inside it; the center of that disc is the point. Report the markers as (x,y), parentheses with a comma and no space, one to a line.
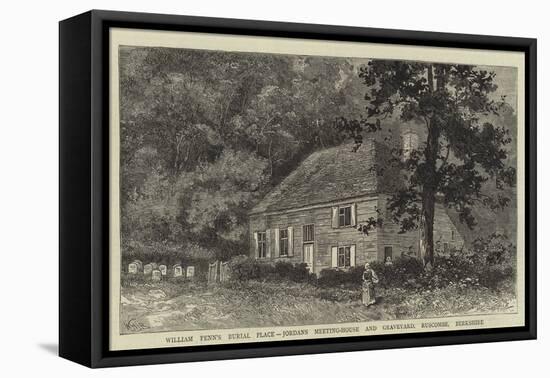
(337,277)
(489,263)
(243,269)
(401,273)
(495,258)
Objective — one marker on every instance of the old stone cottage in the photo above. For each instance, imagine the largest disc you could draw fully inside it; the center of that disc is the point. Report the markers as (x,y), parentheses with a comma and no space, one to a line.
(312,215)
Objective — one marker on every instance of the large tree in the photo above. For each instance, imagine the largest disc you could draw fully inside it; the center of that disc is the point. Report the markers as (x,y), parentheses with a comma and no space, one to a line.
(460,150)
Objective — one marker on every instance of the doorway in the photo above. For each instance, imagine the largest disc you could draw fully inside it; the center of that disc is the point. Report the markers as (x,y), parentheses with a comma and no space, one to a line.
(308,256)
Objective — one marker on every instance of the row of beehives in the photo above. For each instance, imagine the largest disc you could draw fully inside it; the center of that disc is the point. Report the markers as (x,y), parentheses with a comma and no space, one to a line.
(157,271)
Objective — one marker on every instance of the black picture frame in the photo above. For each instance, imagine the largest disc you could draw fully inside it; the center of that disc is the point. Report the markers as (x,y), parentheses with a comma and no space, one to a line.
(84,187)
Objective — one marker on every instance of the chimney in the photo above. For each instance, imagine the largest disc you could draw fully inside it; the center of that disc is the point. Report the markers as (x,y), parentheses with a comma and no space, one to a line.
(409,140)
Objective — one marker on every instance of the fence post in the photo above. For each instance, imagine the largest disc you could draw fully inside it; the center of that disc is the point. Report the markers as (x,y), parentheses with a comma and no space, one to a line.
(213,272)
(224,271)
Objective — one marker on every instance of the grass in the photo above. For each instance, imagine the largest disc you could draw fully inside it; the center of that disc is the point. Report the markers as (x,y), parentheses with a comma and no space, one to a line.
(183,305)
(448,301)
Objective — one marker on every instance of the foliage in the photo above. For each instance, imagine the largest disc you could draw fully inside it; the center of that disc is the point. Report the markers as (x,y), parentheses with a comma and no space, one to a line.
(285,270)
(461,151)
(490,263)
(495,259)
(245,269)
(403,272)
(338,277)
(204,134)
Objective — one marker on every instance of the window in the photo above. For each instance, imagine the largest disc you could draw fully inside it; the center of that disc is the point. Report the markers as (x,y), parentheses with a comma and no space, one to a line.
(344,216)
(388,253)
(283,242)
(309,233)
(344,259)
(452,235)
(261,245)
(446,247)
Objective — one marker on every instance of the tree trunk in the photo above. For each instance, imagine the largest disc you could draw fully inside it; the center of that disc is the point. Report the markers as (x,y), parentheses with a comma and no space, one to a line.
(429,191)
(430,181)
(428,205)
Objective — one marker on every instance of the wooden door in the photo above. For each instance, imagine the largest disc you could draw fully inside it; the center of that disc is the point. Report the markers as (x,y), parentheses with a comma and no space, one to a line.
(308,256)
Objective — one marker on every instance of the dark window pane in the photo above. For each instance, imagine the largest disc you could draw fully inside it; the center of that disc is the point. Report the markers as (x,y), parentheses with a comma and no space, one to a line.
(341,257)
(262,247)
(283,242)
(344,257)
(388,252)
(347,221)
(308,233)
(344,216)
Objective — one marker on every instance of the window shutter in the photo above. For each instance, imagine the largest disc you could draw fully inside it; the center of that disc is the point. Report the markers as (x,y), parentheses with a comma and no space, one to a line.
(352,255)
(290,242)
(353,216)
(334,257)
(335,217)
(268,243)
(276,252)
(256,245)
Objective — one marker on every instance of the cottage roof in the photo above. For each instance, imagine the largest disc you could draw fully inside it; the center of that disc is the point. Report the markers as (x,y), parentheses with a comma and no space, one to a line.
(328,175)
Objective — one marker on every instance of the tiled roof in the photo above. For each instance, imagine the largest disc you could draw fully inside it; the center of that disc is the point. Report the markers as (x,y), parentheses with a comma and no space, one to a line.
(327,175)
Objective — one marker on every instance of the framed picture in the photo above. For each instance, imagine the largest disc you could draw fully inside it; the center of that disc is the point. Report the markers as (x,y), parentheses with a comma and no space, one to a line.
(233,188)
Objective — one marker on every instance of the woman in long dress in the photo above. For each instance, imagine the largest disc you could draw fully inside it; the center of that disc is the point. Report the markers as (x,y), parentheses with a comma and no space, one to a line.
(369,280)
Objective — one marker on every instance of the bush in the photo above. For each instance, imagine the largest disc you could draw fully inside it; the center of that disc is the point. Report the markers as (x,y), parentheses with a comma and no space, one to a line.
(338,277)
(450,270)
(244,269)
(403,272)
(489,263)
(495,259)
(285,270)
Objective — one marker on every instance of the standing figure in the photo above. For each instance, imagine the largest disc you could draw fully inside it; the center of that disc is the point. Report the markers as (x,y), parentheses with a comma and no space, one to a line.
(369,280)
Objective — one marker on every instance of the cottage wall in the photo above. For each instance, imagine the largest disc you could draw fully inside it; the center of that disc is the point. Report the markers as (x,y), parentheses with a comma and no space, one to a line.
(326,237)
(444,232)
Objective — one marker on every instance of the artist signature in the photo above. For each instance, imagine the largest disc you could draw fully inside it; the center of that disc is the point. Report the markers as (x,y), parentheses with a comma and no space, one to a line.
(135,325)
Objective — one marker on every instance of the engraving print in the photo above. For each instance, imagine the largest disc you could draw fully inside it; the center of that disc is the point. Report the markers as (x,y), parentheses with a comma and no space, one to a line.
(271,190)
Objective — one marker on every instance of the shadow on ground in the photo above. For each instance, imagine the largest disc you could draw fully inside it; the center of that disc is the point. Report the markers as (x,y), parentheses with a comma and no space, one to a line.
(51,348)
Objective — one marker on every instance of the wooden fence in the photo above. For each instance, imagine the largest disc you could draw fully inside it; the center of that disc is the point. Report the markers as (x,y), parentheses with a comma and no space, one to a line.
(224,271)
(218,272)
